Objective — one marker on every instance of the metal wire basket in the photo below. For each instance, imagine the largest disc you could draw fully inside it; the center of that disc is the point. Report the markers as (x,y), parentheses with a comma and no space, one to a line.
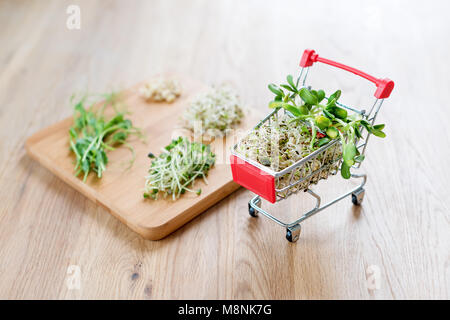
(275,186)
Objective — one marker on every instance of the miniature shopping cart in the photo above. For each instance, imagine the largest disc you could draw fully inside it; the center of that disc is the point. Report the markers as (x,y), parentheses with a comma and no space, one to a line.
(325,161)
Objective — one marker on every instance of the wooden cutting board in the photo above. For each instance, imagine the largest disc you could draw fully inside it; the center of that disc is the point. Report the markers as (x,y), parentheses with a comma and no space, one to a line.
(120,190)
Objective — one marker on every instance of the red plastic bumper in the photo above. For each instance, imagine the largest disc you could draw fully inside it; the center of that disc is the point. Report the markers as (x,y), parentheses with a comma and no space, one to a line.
(253,178)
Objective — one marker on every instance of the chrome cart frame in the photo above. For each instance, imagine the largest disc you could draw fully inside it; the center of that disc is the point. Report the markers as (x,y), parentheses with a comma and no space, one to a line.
(329,165)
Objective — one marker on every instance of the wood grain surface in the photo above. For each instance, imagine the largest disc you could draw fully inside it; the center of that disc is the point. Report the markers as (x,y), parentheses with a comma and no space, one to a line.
(121,187)
(395,246)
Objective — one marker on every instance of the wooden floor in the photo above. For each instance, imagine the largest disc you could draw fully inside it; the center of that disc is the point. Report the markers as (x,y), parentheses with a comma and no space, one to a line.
(395,246)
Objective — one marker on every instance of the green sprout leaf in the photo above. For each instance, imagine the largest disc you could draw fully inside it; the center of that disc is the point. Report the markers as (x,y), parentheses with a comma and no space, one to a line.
(295,111)
(275,104)
(349,153)
(320,95)
(335,96)
(279,104)
(378,133)
(328,114)
(345,171)
(272,87)
(288,88)
(307,96)
(323,141)
(332,132)
(176,169)
(322,122)
(290,80)
(92,135)
(340,113)
(304,110)
(357,132)
(331,104)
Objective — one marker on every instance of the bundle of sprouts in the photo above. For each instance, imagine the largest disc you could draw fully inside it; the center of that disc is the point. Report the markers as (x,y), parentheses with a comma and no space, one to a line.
(214,112)
(93,133)
(174,171)
(160,89)
(280,143)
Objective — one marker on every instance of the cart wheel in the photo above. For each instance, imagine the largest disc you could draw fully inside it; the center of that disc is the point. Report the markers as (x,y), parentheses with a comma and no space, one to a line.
(358,196)
(251,211)
(293,233)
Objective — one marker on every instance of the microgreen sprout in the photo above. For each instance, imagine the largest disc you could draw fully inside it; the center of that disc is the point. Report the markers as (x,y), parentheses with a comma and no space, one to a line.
(328,119)
(161,90)
(312,122)
(282,142)
(177,167)
(93,134)
(213,112)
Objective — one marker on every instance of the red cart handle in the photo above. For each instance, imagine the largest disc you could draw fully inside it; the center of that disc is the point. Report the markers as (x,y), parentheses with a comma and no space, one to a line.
(384,86)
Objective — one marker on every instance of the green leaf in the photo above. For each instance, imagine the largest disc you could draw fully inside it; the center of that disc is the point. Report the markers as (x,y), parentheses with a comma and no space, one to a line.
(374,129)
(320,95)
(357,132)
(119,136)
(335,96)
(378,133)
(332,132)
(288,88)
(359,158)
(105,158)
(349,153)
(279,104)
(304,110)
(94,135)
(307,96)
(295,111)
(80,108)
(323,122)
(98,165)
(331,104)
(290,80)
(275,104)
(85,165)
(272,87)
(323,141)
(328,114)
(366,124)
(73,133)
(340,113)
(345,171)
